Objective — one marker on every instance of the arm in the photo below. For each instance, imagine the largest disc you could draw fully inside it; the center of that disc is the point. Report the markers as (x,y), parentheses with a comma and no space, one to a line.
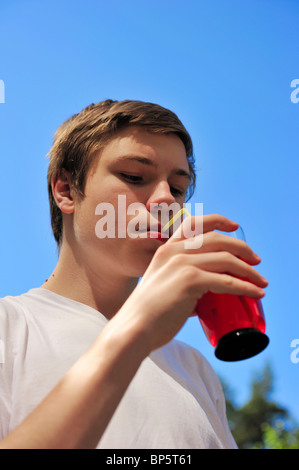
(76,413)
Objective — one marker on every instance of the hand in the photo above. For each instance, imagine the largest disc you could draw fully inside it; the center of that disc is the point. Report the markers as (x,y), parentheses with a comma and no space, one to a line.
(177,277)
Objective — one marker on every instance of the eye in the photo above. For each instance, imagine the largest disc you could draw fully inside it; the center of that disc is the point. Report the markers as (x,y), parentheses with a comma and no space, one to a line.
(176,192)
(132,178)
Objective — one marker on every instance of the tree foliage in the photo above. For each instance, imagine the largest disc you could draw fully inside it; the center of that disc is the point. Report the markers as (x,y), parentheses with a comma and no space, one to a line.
(261,423)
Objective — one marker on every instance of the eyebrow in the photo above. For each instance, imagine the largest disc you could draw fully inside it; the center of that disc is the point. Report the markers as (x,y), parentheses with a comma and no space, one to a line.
(149,162)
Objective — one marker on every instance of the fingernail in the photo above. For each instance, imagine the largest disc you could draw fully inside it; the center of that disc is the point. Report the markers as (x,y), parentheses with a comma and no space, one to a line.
(257,257)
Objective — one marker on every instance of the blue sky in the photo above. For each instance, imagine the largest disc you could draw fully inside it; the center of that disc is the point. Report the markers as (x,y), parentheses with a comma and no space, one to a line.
(225,67)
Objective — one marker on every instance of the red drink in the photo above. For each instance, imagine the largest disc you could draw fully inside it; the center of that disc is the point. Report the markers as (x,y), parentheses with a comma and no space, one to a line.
(234,325)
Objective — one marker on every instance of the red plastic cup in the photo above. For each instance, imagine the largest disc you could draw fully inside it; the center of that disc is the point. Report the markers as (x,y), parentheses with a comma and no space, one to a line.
(234,325)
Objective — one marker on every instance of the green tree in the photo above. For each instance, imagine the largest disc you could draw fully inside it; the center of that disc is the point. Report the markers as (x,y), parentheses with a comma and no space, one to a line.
(256,424)
(278,437)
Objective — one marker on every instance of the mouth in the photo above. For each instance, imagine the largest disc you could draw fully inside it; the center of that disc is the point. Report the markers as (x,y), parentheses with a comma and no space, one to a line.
(154,233)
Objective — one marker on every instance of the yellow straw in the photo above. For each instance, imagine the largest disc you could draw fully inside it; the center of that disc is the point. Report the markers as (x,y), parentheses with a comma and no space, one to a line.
(177,215)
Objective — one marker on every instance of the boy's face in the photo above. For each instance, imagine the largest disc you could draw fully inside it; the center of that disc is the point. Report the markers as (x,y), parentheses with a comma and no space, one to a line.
(144,168)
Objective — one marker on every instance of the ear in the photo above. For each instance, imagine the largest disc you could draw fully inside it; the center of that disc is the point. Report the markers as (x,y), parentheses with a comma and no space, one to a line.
(63,192)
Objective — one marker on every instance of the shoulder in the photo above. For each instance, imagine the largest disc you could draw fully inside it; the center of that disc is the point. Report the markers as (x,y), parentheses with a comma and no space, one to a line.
(16,305)
(187,355)
(21,307)
(12,316)
(191,363)
(18,312)
(11,307)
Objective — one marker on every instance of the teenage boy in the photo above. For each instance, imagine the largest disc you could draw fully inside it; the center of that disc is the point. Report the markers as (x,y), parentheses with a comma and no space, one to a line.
(90,359)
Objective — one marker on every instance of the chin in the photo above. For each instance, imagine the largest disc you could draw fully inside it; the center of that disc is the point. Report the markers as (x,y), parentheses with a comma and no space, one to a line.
(139,262)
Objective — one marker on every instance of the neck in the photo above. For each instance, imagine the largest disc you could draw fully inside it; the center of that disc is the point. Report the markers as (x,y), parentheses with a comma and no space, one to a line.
(95,288)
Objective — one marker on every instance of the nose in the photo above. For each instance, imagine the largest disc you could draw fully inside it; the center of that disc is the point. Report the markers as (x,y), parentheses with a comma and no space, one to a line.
(160,194)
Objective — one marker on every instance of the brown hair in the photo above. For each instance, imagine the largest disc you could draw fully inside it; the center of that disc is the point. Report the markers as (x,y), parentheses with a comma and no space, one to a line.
(78,140)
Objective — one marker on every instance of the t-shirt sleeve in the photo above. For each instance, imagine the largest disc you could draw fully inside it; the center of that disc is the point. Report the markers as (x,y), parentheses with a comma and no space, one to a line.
(13,337)
(217,394)
(221,407)
(202,369)
(6,368)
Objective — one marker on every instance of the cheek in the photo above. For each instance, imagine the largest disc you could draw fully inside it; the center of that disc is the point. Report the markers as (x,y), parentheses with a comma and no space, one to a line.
(104,210)
(117,209)
(85,219)
(84,224)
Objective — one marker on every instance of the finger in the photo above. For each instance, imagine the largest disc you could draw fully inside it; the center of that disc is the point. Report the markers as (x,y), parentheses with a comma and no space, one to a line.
(218,222)
(215,242)
(226,263)
(239,248)
(226,284)
(196,225)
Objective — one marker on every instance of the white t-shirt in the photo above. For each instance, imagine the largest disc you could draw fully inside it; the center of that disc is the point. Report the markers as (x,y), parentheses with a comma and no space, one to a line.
(175,400)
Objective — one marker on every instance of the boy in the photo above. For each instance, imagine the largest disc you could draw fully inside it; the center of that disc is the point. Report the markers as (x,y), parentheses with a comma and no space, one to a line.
(90,357)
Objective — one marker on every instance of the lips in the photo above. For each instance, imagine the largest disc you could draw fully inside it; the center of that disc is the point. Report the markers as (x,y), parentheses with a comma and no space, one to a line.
(157,228)
(157,235)
(154,232)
